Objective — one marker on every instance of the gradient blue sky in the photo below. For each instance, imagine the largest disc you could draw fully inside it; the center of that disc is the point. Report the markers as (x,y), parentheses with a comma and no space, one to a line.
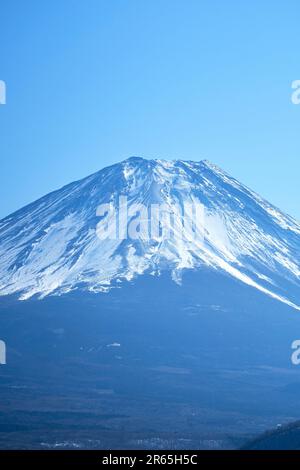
(92,82)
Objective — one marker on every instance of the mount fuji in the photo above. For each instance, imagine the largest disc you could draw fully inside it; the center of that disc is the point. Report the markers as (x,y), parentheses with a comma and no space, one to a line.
(156,343)
(51,247)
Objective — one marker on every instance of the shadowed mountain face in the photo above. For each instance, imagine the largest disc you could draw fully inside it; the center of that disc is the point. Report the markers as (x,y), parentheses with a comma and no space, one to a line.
(148,343)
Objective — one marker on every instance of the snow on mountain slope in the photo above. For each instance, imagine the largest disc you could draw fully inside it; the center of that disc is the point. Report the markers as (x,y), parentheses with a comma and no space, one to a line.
(51,246)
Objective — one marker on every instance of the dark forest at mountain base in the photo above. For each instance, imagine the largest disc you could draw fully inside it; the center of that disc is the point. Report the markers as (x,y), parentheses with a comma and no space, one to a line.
(152,365)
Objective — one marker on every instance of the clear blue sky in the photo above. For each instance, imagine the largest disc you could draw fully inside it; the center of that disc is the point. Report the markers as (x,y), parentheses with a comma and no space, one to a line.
(92,82)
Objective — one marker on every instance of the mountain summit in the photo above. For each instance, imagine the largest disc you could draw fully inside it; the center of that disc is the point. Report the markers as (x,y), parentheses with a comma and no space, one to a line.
(51,246)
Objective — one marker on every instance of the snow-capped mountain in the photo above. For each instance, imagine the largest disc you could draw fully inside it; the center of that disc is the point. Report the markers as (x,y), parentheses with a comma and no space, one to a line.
(51,246)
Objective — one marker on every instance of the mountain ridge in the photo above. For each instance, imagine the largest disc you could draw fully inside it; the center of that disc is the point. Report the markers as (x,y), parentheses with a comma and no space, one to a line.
(50,247)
